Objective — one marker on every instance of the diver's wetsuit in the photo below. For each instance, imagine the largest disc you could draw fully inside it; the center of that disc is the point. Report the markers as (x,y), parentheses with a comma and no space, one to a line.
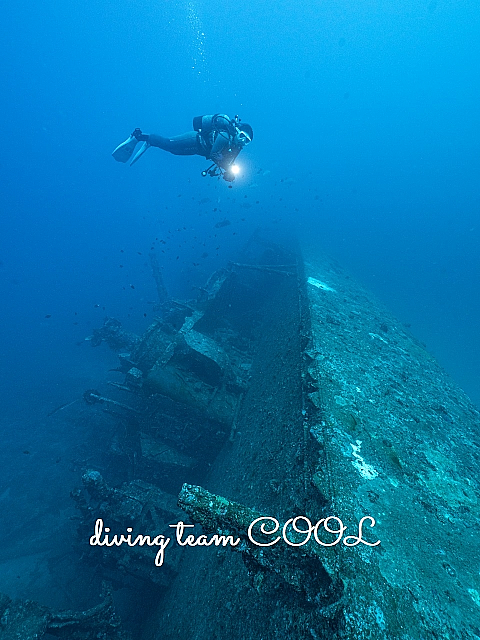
(214,139)
(186,144)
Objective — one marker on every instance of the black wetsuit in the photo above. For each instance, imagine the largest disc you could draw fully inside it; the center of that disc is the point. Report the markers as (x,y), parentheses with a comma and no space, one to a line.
(214,138)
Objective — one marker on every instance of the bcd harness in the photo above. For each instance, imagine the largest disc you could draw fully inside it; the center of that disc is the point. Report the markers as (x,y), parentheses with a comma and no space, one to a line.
(209,133)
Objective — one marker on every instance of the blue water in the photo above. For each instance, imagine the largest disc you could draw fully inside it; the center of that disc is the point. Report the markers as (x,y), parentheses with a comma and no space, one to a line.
(366,137)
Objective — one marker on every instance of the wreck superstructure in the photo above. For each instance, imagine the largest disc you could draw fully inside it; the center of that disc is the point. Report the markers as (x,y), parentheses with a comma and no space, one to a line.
(286,393)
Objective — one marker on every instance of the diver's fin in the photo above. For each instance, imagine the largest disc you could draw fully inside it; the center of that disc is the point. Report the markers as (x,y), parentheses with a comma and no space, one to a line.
(124,151)
(140,152)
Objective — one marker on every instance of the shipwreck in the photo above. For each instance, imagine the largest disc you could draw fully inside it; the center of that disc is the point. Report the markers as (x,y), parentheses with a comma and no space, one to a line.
(286,403)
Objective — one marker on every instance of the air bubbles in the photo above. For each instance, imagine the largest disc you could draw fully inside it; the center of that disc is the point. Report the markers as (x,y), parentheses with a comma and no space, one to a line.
(198,40)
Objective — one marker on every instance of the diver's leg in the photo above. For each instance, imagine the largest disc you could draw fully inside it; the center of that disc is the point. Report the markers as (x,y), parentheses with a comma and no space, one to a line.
(186,144)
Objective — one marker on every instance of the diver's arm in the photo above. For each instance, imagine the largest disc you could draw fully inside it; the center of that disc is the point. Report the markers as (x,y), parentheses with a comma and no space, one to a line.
(221,144)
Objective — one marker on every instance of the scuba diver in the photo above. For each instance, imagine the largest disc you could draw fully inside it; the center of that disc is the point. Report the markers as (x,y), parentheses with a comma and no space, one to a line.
(216,137)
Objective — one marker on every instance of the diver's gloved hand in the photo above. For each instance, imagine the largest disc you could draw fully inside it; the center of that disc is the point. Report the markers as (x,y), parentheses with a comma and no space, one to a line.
(228,175)
(139,135)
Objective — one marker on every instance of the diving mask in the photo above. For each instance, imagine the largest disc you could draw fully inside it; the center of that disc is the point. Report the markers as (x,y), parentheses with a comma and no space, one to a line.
(243,137)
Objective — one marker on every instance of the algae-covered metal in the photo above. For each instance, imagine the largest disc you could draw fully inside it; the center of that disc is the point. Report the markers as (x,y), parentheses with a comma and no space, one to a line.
(400,441)
(298,401)
(295,559)
(349,417)
(28,620)
(136,507)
